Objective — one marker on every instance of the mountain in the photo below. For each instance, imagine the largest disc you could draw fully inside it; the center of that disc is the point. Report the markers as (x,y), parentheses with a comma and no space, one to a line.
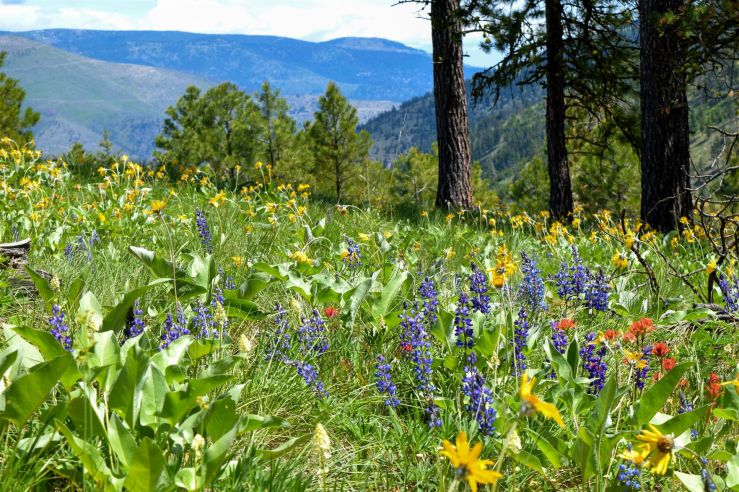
(79,98)
(503,135)
(364,68)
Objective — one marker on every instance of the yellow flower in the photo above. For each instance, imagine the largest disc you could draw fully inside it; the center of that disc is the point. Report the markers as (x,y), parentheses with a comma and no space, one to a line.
(301,257)
(218,199)
(656,449)
(258,165)
(711,266)
(619,260)
(157,206)
(363,237)
(449,217)
(467,463)
(238,261)
(530,403)
(424,213)
(303,187)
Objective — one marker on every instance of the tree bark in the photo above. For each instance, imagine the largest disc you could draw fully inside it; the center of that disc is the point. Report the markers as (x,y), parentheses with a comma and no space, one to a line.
(450,95)
(560,187)
(665,156)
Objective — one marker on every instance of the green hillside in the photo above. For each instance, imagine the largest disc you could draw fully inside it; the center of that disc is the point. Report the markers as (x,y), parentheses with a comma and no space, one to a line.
(80,98)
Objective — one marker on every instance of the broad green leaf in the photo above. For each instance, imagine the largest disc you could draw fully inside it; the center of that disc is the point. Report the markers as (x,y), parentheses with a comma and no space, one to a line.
(530,461)
(602,408)
(250,423)
(253,285)
(146,468)
(116,319)
(92,461)
(125,395)
(654,398)
(42,285)
(85,418)
(381,306)
(152,390)
(188,479)
(50,348)
(243,309)
(28,392)
(121,440)
(553,455)
(90,312)
(358,295)
(693,483)
(681,423)
(216,455)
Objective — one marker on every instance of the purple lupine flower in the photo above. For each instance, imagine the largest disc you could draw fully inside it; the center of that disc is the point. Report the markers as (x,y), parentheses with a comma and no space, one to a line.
(69,252)
(640,376)
(312,335)
(628,476)
(596,292)
(463,323)
(202,321)
(729,292)
(281,340)
(531,290)
(427,291)
(353,258)
(415,338)
(433,414)
(685,407)
(203,231)
(384,381)
(480,301)
(310,376)
(520,336)
(593,363)
(480,397)
(559,338)
(571,280)
(172,330)
(134,325)
(59,328)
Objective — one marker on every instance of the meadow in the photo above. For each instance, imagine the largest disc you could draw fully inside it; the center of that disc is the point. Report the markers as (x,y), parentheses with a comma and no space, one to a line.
(188,336)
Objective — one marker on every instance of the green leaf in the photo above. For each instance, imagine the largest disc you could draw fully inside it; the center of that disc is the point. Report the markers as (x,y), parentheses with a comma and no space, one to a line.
(85,418)
(250,423)
(29,391)
(146,468)
(283,448)
(358,295)
(655,397)
(389,293)
(121,440)
(42,285)
(50,348)
(530,461)
(243,309)
(92,461)
(116,318)
(253,285)
(548,449)
(732,476)
(188,479)
(573,355)
(125,395)
(681,423)
(215,456)
(602,408)
(693,483)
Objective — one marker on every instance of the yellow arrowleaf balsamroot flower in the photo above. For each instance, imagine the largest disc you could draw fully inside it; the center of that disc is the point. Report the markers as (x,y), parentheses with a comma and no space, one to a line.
(301,257)
(711,266)
(157,206)
(467,462)
(530,403)
(620,260)
(656,449)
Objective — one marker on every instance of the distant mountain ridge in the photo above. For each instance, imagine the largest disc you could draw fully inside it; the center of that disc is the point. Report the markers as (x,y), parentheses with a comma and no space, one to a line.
(364,68)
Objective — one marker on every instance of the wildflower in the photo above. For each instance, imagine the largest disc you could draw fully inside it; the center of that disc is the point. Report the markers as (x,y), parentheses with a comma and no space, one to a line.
(714,386)
(467,463)
(330,312)
(642,366)
(480,302)
(611,335)
(384,382)
(729,292)
(363,237)
(301,258)
(594,364)
(59,328)
(352,256)
(530,403)
(480,397)
(134,324)
(668,364)
(711,266)
(641,327)
(559,336)
(628,476)
(571,280)
(463,323)
(427,291)
(312,335)
(531,289)
(321,446)
(655,451)
(310,376)
(157,206)
(238,261)
(596,292)
(203,231)
(660,349)
(620,260)
(281,340)
(520,336)
(172,330)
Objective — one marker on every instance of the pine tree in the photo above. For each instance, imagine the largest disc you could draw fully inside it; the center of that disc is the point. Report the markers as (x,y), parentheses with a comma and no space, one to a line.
(278,132)
(15,122)
(336,146)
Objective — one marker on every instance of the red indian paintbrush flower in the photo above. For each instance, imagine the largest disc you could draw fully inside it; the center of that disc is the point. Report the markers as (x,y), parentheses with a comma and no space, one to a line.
(660,349)
(330,312)
(668,364)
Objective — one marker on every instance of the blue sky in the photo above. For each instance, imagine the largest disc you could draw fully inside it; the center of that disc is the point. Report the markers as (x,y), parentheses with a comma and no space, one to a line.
(313,20)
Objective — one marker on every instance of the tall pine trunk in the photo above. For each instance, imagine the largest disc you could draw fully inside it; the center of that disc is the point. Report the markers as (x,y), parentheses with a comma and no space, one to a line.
(665,156)
(450,95)
(560,187)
